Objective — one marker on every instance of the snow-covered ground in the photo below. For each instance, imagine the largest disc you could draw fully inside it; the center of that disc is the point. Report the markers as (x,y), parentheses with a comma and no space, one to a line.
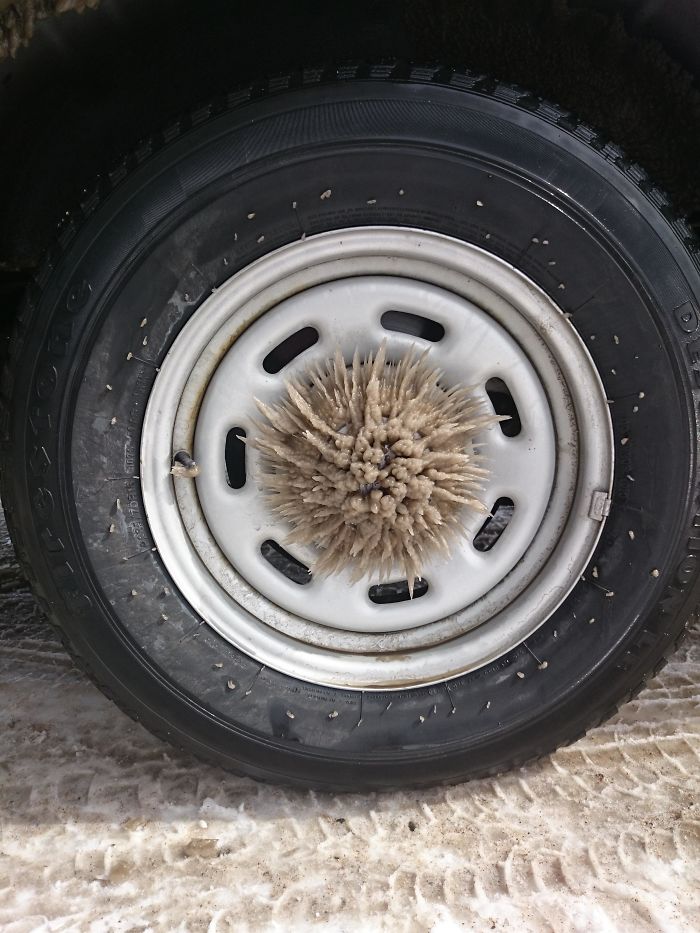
(105,828)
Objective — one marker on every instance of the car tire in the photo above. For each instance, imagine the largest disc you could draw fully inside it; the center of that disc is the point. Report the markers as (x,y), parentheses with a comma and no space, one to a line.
(494,186)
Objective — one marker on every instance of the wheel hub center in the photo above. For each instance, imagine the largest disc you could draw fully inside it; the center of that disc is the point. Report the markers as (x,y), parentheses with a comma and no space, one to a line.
(373,464)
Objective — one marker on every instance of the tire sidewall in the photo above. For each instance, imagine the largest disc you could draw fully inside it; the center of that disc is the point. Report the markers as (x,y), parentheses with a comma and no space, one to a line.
(177,228)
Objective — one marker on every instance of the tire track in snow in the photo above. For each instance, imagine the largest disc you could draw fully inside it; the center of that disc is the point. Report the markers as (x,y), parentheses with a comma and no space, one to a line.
(105,828)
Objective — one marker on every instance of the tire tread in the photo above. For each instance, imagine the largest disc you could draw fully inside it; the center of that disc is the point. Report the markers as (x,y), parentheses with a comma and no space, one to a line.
(106,185)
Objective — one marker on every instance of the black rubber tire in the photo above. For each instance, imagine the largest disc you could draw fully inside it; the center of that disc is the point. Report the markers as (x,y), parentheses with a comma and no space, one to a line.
(413,147)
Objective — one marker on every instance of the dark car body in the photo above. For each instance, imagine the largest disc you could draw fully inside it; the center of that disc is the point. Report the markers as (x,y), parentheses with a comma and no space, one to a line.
(90,87)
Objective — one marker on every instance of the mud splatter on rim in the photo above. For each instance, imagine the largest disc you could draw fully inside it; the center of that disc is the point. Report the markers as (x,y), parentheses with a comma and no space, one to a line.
(487,326)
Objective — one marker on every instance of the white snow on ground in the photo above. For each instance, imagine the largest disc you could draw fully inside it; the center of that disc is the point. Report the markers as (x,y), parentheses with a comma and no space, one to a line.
(105,828)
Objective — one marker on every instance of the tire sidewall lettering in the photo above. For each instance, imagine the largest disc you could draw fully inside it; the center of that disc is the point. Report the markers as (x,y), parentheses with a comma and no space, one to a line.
(57,347)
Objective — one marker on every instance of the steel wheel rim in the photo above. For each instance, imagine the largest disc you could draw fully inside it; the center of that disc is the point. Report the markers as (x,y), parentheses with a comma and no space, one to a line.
(451,630)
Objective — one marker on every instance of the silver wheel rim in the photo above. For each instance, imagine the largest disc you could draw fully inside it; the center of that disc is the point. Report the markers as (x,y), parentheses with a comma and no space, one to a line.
(497,325)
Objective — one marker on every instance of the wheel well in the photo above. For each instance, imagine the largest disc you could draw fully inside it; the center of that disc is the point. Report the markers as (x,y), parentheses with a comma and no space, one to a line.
(87,88)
